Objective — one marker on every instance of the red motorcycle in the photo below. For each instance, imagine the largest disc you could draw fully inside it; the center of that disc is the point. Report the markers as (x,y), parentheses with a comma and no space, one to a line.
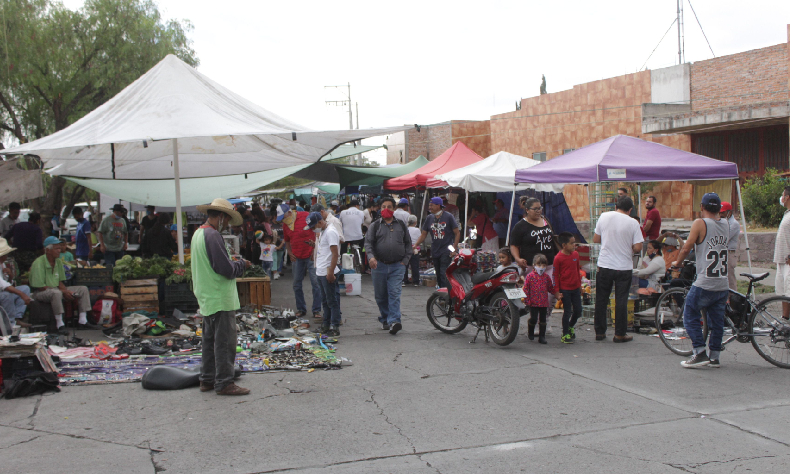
(491,302)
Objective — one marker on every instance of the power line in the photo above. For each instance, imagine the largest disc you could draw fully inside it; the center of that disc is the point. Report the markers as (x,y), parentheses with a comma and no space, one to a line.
(659,44)
(700,27)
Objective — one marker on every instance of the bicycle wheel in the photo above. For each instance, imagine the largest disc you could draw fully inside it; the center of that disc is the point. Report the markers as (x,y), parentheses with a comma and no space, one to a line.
(669,322)
(441,315)
(771,332)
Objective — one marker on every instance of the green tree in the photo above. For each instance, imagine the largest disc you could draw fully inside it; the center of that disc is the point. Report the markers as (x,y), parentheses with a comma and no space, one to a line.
(59,64)
(761,199)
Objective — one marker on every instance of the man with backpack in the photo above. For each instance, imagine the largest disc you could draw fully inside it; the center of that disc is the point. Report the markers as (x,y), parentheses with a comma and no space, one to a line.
(388,245)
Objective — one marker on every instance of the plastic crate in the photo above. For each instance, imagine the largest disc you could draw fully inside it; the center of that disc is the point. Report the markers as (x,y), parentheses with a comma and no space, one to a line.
(92,276)
(179,292)
(167,307)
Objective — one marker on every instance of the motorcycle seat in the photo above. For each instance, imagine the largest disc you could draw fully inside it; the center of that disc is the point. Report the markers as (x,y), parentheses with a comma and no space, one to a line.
(481,277)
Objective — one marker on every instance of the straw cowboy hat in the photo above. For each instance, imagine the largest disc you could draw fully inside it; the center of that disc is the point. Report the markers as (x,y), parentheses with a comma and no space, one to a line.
(223,205)
(5,249)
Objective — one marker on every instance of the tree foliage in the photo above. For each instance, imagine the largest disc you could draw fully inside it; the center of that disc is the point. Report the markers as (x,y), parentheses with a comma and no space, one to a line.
(761,199)
(59,64)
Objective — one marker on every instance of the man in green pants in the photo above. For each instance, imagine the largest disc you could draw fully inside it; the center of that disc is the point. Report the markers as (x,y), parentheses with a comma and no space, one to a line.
(214,280)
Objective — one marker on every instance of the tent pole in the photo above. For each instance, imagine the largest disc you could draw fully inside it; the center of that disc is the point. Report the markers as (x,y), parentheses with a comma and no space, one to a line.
(589,203)
(466,215)
(638,202)
(510,216)
(422,206)
(179,223)
(743,222)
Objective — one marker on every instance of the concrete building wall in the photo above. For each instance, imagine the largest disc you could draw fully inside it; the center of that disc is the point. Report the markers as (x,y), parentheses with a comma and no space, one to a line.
(475,135)
(671,85)
(396,148)
(759,76)
(429,142)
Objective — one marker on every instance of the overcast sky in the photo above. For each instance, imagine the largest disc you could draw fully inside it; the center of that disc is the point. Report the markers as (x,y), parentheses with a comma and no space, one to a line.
(432,61)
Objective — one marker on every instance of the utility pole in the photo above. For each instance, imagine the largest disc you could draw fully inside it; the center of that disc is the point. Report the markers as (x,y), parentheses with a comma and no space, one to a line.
(346,101)
(681,33)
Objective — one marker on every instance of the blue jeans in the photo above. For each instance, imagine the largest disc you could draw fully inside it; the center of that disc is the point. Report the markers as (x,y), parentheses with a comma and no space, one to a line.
(300,267)
(267,267)
(440,264)
(713,302)
(111,257)
(387,281)
(331,301)
(571,309)
(13,304)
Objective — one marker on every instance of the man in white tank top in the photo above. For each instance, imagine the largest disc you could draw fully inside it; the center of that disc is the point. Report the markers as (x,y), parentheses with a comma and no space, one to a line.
(709,237)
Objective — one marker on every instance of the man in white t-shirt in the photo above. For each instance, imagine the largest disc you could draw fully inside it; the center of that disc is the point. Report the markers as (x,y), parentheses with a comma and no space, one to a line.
(352,219)
(402,212)
(620,237)
(325,270)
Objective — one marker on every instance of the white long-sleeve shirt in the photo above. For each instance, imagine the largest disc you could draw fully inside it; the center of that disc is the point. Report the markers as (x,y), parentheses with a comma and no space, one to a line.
(652,269)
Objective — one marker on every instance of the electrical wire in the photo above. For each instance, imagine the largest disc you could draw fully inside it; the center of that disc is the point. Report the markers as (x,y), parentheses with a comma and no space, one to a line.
(659,44)
(700,27)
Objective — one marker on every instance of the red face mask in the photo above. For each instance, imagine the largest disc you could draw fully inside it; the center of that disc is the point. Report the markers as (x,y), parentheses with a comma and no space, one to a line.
(387,213)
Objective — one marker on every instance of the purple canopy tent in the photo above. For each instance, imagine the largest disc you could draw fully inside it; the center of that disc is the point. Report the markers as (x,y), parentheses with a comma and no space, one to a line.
(624,158)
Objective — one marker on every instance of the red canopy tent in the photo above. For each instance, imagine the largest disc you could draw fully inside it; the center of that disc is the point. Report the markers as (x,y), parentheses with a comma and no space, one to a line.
(457,156)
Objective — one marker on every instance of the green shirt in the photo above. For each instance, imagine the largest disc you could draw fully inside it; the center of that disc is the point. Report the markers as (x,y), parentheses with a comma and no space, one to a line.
(213,291)
(42,274)
(67,257)
(113,230)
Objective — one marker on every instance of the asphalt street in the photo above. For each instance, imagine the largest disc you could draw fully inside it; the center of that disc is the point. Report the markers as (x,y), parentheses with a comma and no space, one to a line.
(426,402)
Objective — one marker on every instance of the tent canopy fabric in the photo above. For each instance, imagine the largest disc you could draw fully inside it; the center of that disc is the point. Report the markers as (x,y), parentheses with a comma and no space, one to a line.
(494,174)
(457,156)
(219,133)
(624,158)
(18,185)
(367,176)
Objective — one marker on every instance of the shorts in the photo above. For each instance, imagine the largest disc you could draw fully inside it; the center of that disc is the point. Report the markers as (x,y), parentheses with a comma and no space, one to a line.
(783,279)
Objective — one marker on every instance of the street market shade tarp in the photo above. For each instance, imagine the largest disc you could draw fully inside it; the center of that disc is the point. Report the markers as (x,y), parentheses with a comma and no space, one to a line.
(325,170)
(457,156)
(18,185)
(624,158)
(494,174)
(372,176)
(219,133)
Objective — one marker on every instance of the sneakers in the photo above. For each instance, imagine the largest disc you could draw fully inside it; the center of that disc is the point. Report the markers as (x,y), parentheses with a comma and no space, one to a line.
(333,331)
(696,361)
(625,338)
(63,331)
(395,328)
(232,389)
(385,326)
(416,285)
(567,339)
(88,326)
(572,333)
(276,276)
(714,364)
(206,387)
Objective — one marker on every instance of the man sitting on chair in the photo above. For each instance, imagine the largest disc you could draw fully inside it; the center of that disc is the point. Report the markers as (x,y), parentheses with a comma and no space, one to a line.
(46,278)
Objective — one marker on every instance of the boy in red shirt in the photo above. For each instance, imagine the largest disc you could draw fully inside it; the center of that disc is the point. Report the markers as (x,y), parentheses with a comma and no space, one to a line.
(569,282)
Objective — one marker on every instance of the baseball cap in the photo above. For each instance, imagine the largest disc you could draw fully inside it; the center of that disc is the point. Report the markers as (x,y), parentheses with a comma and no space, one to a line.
(282,210)
(438,201)
(725,206)
(711,199)
(312,220)
(335,203)
(671,241)
(51,240)
(317,208)
(403,201)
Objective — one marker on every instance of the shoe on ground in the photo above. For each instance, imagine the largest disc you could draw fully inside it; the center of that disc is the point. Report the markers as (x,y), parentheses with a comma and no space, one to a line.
(567,339)
(573,333)
(88,326)
(333,331)
(625,338)
(548,330)
(317,316)
(385,326)
(63,331)
(696,361)
(600,337)
(404,284)
(714,364)
(416,285)
(276,276)
(395,328)
(323,330)
(233,389)
(206,387)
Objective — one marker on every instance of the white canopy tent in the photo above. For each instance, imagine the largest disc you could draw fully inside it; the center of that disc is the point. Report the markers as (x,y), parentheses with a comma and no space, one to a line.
(494,174)
(174,122)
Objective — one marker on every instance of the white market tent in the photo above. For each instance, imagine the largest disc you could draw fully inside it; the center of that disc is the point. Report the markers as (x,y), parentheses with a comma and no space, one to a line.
(174,127)
(494,174)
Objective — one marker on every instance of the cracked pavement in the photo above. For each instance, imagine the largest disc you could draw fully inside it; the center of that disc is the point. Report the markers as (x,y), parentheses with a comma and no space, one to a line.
(427,402)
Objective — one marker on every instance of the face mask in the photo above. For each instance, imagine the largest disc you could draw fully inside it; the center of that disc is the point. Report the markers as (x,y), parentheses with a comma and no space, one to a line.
(782,200)
(387,213)
(540,270)
(317,230)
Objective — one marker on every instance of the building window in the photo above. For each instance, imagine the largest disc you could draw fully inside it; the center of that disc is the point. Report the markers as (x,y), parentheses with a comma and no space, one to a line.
(540,156)
(567,150)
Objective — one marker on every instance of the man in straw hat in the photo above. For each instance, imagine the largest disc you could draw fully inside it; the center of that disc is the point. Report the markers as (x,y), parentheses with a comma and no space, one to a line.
(13,299)
(214,281)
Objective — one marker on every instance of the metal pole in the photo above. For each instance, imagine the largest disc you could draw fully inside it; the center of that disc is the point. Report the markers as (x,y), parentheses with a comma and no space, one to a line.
(510,217)
(639,201)
(466,215)
(179,221)
(680,60)
(589,203)
(743,222)
(422,205)
(350,117)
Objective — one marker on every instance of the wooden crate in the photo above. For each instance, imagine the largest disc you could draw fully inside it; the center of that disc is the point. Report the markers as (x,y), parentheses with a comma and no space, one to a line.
(140,295)
(254,292)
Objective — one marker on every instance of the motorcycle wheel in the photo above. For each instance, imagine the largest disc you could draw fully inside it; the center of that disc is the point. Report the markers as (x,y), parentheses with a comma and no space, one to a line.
(441,315)
(504,327)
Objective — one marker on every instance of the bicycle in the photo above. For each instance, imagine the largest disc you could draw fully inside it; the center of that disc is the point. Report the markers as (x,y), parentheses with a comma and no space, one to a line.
(758,322)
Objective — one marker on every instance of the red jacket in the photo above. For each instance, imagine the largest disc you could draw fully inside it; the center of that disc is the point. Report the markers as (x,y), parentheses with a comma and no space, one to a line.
(299,237)
(537,288)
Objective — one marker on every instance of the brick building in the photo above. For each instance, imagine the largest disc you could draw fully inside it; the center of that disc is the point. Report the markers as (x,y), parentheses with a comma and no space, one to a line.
(732,108)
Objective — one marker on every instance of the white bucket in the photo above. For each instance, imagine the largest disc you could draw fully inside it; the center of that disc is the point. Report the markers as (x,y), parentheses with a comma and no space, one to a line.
(347,261)
(353,284)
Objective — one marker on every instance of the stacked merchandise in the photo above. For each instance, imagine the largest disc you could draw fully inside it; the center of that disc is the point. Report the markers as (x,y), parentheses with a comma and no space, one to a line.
(486,261)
